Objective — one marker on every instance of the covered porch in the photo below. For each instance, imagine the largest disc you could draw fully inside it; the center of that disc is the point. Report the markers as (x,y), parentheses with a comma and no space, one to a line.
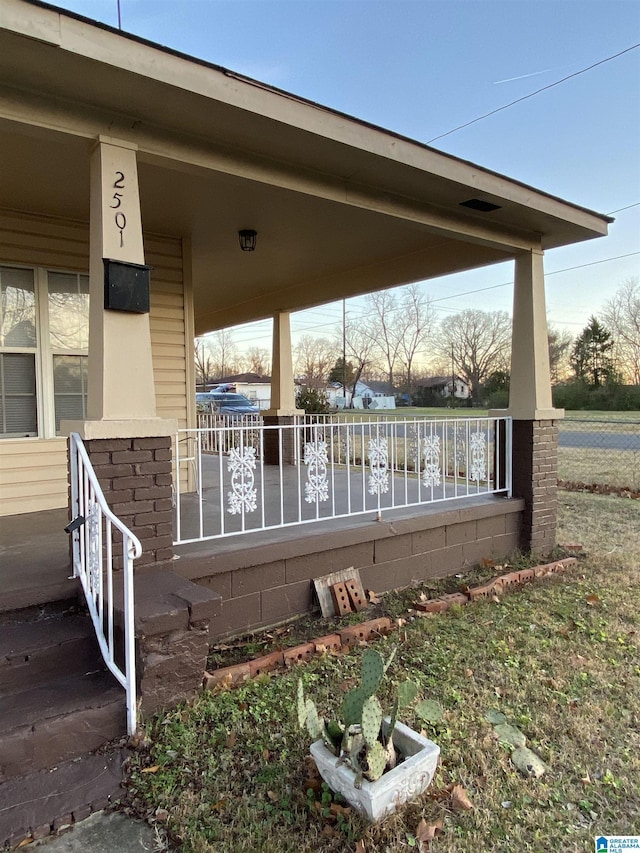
(157,187)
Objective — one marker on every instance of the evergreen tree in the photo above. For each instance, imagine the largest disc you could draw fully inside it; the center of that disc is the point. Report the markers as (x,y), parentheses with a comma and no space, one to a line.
(591,357)
(339,374)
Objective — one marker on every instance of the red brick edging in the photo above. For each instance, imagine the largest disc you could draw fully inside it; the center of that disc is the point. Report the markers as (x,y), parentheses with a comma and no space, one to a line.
(366,631)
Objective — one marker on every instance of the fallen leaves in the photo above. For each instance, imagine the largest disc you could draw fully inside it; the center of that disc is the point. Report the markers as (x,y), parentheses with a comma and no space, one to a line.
(153,769)
(460,801)
(426,832)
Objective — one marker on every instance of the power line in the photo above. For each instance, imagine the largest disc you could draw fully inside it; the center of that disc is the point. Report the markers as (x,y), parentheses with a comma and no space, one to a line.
(365,315)
(531,94)
(554,272)
(620,209)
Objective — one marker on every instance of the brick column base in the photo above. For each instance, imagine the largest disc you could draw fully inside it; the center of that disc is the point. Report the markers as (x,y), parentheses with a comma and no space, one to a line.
(172,618)
(535,478)
(135,476)
(277,441)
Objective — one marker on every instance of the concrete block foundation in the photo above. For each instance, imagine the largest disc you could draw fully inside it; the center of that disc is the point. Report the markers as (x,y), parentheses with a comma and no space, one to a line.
(270,582)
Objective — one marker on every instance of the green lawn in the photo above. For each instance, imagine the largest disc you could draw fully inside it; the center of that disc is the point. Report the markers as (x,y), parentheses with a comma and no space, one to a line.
(560,659)
(465,412)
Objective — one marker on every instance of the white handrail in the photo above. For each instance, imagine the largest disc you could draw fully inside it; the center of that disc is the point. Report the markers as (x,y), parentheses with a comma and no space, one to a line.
(93,529)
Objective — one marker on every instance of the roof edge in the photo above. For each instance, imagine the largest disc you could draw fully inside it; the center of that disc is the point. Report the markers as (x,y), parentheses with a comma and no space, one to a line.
(249,81)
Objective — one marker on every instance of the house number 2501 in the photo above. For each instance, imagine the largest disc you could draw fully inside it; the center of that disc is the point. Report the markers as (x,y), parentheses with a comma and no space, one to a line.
(119,217)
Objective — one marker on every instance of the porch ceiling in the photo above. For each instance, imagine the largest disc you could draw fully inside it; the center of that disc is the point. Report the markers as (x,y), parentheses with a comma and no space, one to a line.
(340,207)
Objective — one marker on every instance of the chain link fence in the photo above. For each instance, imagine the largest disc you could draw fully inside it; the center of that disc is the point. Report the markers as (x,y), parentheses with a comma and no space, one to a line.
(600,452)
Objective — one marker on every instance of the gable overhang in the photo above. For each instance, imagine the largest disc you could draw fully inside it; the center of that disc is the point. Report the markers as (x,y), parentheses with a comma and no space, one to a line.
(340,207)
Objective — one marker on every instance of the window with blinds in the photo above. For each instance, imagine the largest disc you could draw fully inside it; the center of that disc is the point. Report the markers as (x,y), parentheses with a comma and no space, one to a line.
(44,329)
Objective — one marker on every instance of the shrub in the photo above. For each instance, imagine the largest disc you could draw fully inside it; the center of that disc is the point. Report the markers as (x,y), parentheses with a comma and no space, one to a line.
(313,401)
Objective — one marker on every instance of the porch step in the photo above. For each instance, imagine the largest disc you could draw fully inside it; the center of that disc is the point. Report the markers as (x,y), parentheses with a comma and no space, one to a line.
(44,801)
(47,723)
(42,644)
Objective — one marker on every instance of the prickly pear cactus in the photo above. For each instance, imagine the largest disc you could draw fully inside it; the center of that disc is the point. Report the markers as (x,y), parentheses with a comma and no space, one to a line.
(407,692)
(352,706)
(315,723)
(372,671)
(332,736)
(376,760)
(371,720)
(308,714)
(370,680)
(302,708)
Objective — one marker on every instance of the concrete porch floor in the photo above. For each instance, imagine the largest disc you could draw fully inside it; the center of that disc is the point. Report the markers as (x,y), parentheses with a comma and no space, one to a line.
(35,564)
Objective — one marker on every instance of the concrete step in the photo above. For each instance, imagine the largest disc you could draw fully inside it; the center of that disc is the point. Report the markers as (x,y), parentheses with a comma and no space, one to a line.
(42,802)
(44,646)
(47,723)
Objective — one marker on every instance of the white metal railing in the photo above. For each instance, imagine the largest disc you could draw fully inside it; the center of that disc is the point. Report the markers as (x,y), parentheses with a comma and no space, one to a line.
(330,467)
(101,540)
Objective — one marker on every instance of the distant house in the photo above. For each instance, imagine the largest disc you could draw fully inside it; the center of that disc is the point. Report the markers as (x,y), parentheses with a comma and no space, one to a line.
(445,386)
(257,388)
(369,395)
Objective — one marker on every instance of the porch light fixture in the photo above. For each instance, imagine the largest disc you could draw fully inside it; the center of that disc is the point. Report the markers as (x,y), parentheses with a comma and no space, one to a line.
(247,239)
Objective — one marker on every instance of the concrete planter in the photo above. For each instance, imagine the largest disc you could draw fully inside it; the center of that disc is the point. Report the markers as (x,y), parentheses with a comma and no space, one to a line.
(376,800)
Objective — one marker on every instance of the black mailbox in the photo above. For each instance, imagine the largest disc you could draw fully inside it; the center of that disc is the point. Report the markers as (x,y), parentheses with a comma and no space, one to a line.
(126,286)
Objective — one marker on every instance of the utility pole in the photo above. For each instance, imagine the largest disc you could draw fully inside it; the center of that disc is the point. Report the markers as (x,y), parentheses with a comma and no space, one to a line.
(344,350)
(453,379)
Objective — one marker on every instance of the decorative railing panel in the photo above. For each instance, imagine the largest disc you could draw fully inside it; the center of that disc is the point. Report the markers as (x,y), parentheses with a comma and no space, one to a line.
(339,467)
(103,553)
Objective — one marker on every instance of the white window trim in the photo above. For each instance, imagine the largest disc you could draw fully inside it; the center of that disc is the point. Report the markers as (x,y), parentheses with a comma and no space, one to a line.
(44,352)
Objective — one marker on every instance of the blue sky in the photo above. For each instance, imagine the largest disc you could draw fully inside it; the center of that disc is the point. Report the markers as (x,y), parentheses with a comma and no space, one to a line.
(423,67)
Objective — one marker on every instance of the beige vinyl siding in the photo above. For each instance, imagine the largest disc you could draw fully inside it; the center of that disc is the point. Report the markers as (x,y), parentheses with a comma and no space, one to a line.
(33,475)
(33,472)
(39,241)
(168,327)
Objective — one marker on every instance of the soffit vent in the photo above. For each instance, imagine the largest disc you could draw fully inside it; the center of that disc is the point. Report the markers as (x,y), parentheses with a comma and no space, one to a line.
(480,204)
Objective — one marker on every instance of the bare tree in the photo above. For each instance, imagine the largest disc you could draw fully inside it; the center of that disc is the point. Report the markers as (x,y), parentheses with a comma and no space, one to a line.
(386,328)
(478,342)
(560,344)
(224,353)
(418,319)
(257,360)
(204,365)
(360,349)
(314,359)
(621,315)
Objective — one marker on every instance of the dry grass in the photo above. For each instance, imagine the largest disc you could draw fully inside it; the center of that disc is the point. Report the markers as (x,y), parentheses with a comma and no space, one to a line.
(559,658)
(619,468)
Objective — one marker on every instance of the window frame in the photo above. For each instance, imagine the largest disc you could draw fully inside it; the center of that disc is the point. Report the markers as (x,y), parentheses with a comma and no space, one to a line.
(44,352)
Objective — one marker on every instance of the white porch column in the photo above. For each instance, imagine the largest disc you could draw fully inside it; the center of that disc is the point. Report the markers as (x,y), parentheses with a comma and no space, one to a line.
(121,394)
(120,368)
(125,440)
(535,421)
(530,386)
(283,402)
